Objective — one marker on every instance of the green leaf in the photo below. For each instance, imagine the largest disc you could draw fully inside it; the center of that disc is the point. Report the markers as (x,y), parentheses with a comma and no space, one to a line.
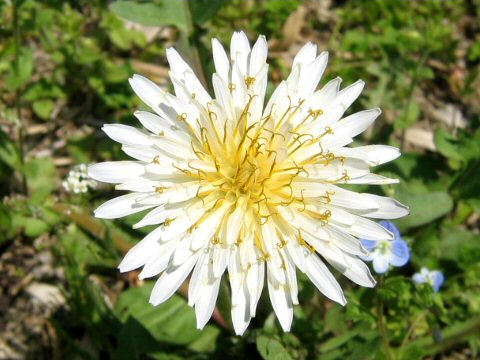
(204,10)
(40,173)
(134,341)
(43,108)
(22,70)
(5,222)
(33,227)
(461,246)
(339,340)
(410,117)
(272,349)
(447,145)
(152,14)
(171,322)
(122,37)
(9,153)
(424,206)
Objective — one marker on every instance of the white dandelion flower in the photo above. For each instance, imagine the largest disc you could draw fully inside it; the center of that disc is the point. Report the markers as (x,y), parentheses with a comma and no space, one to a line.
(252,189)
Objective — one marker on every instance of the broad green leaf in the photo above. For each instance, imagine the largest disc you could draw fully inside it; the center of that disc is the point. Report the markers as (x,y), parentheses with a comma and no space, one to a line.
(5,222)
(204,10)
(122,37)
(410,116)
(33,227)
(447,145)
(43,108)
(40,173)
(459,245)
(22,70)
(9,153)
(171,322)
(135,341)
(424,206)
(153,14)
(339,340)
(272,349)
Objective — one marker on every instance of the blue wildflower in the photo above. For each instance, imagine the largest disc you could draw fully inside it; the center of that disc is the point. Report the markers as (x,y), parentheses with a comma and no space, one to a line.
(384,253)
(433,277)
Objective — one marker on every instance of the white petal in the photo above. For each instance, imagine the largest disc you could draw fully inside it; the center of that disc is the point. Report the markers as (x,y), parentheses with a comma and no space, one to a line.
(388,208)
(161,126)
(150,93)
(182,252)
(380,154)
(346,129)
(241,310)
(306,54)
(220,259)
(292,285)
(170,281)
(177,65)
(255,280)
(196,88)
(239,51)
(205,304)
(258,56)
(160,214)
(368,229)
(120,206)
(234,224)
(158,262)
(222,64)
(116,171)
(311,75)
(348,95)
(142,153)
(323,279)
(183,222)
(207,228)
(139,254)
(281,302)
(125,134)
(372,179)
(223,95)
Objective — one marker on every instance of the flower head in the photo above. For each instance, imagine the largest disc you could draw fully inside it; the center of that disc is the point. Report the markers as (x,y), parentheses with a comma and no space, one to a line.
(78,180)
(252,189)
(384,253)
(434,278)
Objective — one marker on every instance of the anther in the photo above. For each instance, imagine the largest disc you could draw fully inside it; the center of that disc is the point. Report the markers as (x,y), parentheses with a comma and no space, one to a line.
(232,86)
(156,159)
(182,117)
(249,81)
(315,113)
(160,189)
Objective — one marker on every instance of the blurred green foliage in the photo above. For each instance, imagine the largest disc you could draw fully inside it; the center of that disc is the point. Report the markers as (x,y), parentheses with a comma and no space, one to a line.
(64,66)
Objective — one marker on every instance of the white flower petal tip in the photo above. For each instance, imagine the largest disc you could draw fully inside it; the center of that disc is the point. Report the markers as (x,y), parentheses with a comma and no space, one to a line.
(252,188)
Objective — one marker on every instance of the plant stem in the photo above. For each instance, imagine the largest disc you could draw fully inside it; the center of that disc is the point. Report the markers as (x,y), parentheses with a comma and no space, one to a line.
(18,95)
(452,336)
(410,330)
(382,327)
